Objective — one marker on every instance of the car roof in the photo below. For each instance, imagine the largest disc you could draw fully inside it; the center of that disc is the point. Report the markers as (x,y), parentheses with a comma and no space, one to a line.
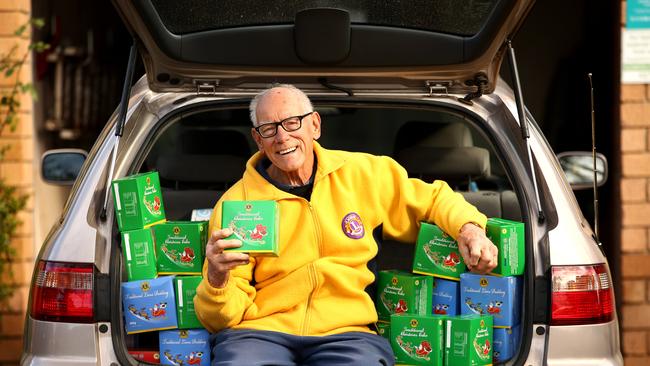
(231,43)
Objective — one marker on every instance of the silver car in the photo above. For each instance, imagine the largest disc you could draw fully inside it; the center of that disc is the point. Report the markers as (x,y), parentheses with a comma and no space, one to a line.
(418,82)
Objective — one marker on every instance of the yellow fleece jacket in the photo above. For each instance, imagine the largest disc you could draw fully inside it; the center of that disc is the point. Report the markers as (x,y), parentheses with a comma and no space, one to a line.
(317,285)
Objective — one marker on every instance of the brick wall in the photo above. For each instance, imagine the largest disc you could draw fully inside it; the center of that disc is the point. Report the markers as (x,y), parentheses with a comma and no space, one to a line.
(635,235)
(18,169)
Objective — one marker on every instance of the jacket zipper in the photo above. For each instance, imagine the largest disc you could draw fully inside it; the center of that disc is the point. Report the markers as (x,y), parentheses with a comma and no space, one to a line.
(312,269)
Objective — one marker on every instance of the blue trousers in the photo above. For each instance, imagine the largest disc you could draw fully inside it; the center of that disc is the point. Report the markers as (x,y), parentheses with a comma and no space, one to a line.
(243,347)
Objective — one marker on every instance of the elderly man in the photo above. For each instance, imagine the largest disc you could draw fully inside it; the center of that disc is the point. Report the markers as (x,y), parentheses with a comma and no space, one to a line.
(309,305)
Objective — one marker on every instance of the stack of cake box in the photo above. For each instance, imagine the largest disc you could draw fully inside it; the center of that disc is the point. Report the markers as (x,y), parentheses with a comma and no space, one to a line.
(163,262)
(441,314)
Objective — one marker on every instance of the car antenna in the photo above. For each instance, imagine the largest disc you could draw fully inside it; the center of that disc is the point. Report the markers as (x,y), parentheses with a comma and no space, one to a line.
(121,119)
(593,154)
(519,99)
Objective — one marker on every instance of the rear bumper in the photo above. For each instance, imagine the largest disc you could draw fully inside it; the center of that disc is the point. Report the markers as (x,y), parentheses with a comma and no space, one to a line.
(584,345)
(52,343)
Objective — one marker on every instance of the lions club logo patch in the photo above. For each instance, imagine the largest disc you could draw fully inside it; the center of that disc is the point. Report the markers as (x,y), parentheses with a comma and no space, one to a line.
(352,226)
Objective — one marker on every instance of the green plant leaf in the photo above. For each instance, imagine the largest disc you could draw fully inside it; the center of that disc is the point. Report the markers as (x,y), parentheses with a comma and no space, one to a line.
(19,32)
(38,22)
(12,201)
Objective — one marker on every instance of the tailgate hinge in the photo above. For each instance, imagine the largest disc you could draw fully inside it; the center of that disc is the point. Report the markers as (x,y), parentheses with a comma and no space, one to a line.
(480,81)
(206,87)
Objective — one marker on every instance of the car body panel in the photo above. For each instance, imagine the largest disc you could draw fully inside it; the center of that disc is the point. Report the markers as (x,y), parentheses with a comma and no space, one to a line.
(588,345)
(45,347)
(222,56)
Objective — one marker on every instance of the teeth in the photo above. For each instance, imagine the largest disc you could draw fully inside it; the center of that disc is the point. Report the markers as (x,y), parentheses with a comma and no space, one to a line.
(286,151)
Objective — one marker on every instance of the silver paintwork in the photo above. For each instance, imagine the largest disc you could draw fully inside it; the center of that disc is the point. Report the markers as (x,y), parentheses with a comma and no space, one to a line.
(52,344)
(586,345)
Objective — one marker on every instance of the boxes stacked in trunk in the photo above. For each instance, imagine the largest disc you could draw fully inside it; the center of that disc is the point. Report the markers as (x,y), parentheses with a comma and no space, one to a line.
(443,315)
(163,262)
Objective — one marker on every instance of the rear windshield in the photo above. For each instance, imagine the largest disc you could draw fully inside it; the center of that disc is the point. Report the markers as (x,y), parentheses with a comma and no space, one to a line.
(459,17)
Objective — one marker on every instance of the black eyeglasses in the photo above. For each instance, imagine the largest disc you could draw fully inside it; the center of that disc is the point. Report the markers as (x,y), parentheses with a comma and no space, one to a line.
(289,124)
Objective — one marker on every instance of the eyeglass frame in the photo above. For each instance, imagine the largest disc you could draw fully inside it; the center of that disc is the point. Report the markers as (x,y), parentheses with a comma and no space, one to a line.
(281,123)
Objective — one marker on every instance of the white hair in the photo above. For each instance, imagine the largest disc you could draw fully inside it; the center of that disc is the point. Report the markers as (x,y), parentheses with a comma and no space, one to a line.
(304,99)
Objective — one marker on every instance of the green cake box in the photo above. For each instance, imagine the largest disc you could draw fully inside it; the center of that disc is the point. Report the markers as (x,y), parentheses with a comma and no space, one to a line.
(508,236)
(138,201)
(468,340)
(436,254)
(383,329)
(402,292)
(417,339)
(255,223)
(185,288)
(180,246)
(139,254)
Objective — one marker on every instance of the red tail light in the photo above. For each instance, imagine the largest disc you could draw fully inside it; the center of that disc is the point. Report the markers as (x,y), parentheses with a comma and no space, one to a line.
(63,292)
(581,295)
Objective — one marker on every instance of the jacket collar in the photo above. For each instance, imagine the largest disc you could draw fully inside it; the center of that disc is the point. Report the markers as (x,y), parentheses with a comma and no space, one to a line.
(257,187)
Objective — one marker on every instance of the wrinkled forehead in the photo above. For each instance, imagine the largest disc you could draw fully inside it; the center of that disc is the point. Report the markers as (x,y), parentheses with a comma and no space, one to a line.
(279,103)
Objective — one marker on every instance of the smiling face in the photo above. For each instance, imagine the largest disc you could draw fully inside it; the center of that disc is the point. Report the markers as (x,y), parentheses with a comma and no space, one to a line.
(291,153)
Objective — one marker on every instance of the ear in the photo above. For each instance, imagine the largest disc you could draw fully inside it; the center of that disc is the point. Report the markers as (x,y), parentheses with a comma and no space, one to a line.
(258,139)
(315,121)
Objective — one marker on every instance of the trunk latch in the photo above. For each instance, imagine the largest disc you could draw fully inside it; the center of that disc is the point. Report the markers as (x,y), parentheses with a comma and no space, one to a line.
(206,87)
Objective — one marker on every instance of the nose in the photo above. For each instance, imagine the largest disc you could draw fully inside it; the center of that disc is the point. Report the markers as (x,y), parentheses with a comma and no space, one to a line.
(281,134)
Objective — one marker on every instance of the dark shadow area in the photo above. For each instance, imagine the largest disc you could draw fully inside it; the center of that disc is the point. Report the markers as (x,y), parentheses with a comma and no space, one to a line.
(558,45)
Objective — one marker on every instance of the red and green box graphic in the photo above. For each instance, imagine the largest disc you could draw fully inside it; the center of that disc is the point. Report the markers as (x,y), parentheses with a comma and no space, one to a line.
(180,246)
(508,236)
(402,292)
(138,201)
(139,254)
(436,254)
(468,340)
(255,223)
(185,287)
(417,339)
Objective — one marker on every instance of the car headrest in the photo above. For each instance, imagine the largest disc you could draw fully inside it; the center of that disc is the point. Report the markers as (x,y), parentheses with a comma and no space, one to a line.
(432,134)
(451,135)
(201,168)
(445,162)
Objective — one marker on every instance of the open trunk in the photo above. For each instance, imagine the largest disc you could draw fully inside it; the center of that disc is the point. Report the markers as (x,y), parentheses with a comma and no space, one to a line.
(431,141)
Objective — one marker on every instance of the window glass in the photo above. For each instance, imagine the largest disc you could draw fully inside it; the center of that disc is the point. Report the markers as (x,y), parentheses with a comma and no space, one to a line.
(460,17)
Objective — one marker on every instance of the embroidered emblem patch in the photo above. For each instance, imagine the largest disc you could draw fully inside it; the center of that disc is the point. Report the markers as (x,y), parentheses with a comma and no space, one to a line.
(352,226)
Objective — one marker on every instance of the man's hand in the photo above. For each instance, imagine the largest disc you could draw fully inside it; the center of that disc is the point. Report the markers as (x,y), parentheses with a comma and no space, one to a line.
(219,262)
(478,252)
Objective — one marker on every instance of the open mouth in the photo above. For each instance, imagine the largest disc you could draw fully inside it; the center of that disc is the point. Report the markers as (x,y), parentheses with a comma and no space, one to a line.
(287,151)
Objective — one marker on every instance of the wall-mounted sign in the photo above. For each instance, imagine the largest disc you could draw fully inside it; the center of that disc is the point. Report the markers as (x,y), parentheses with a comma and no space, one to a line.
(637,14)
(635,43)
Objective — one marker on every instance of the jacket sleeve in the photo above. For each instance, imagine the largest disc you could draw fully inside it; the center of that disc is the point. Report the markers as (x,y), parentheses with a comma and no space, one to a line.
(407,201)
(219,308)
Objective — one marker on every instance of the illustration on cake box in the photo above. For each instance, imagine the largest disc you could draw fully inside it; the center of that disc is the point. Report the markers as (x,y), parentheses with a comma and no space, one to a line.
(255,223)
(417,339)
(149,305)
(138,201)
(185,347)
(436,253)
(492,295)
(180,246)
(402,292)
